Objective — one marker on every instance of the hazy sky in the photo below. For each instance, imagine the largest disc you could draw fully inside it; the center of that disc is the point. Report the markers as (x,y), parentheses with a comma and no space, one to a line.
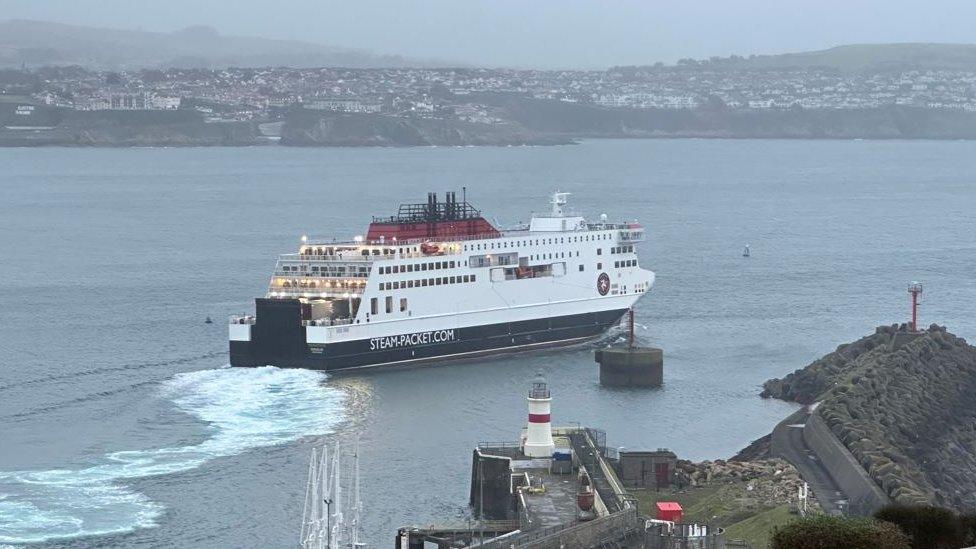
(539,33)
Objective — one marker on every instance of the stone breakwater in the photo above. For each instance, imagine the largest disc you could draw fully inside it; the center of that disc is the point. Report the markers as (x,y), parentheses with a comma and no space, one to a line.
(770,481)
(903,404)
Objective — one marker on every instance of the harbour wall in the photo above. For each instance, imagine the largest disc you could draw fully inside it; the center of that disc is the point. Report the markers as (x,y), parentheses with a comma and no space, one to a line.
(864,495)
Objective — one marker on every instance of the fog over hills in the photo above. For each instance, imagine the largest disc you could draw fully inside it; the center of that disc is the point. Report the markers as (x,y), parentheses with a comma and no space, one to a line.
(37,43)
(860,57)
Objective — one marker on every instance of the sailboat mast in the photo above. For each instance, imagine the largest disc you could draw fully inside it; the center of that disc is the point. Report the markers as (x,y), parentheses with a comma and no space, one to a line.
(357,503)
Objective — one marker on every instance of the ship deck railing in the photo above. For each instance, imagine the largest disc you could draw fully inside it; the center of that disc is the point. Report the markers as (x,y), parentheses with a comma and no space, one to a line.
(327,322)
(342,293)
(317,274)
(362,258)
(462,238)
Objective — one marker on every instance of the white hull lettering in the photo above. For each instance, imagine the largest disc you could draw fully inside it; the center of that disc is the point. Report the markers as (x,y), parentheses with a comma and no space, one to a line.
(409,340)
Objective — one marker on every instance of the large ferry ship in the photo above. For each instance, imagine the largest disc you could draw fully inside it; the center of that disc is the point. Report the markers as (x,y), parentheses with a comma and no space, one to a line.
(438,281)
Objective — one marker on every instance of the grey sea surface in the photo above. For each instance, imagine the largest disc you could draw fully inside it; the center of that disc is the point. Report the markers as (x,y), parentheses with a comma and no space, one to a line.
(121,424)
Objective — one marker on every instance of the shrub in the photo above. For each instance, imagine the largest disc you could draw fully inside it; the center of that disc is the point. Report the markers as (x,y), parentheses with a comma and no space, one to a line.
(926,526)
(968,523)
(824,532)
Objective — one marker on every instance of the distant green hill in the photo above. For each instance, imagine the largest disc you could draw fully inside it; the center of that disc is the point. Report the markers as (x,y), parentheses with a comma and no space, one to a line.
(858,57)
(38,43)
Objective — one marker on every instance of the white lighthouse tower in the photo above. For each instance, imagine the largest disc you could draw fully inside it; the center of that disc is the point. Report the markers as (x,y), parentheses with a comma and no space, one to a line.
(538,437)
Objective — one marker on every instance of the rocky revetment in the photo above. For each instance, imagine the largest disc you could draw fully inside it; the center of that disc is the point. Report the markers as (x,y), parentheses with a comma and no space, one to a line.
(902,403)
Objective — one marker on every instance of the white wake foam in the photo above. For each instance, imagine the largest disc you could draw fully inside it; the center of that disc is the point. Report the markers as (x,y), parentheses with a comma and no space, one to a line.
(245,408)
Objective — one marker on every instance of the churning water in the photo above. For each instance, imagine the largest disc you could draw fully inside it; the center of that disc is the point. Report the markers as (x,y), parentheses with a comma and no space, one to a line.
(242,408)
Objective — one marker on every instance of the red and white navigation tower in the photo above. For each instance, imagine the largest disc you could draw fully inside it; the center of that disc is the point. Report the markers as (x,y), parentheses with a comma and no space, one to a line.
(915,288)
(538,437)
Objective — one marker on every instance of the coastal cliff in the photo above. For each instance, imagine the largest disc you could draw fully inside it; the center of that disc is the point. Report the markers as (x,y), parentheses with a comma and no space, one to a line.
(508,119)
(903,404)
(135,128)
(305,128)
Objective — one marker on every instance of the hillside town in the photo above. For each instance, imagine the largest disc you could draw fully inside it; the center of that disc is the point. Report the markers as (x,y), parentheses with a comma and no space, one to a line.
(255,93)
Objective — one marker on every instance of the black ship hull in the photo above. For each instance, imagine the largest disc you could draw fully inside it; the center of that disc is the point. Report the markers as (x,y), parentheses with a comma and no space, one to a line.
(278,339)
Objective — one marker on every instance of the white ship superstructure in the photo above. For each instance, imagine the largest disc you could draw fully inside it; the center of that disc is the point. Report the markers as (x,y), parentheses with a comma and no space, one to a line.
(438,280)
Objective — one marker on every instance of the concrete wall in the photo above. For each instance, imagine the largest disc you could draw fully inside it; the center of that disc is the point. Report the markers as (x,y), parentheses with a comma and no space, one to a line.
(491,486)
(864,495)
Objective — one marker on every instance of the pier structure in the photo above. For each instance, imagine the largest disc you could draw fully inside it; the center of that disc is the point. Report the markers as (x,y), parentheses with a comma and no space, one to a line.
(572,497)
(629,365)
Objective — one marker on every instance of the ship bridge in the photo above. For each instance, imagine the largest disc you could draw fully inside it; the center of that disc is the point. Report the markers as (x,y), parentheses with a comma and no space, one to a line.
(558,220)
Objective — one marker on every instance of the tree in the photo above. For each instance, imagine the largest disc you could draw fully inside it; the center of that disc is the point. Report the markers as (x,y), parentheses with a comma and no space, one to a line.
(927,527)
(824,532)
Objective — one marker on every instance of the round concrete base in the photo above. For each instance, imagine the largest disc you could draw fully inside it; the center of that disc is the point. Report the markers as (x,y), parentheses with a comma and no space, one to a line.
(626,367)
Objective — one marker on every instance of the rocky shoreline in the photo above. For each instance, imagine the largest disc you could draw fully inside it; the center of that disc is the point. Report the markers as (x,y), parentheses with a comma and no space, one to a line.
(517,120)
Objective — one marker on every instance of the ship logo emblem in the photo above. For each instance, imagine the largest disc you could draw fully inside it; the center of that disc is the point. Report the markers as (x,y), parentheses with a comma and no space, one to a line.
(603,283)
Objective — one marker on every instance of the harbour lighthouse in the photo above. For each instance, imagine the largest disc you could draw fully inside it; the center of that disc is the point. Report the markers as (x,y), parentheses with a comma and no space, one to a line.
(538,434)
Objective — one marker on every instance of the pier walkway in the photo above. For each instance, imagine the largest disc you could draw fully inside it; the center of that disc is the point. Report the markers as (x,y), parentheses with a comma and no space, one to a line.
(788,443)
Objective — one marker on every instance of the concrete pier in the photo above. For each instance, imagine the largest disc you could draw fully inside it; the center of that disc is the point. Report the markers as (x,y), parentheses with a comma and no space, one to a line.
(631,366)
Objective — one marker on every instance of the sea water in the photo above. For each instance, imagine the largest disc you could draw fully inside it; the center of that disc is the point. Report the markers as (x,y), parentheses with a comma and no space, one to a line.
(121,424)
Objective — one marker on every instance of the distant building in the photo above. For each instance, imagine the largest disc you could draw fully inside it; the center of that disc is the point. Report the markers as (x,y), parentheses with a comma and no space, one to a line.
(343,105)
(165,103)
(130,101)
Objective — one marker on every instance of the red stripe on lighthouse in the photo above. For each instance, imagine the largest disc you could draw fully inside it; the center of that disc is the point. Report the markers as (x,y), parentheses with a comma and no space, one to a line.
(538,418)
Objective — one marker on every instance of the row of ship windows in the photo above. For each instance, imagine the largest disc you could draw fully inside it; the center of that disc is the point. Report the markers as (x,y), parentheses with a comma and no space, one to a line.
(625,263)
(557,255)
(423,282)
(416,267)
(622,250)
(340,270)
(538,242)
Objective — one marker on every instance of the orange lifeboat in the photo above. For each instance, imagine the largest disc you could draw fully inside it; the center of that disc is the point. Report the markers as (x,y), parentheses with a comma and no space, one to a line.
(429,249)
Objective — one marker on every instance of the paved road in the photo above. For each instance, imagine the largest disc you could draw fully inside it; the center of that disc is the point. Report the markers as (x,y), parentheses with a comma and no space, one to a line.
(788,444)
